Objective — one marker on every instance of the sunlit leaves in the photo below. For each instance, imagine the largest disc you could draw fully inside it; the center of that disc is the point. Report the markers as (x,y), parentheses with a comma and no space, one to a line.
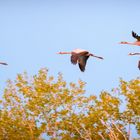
(32,106)
(131,91)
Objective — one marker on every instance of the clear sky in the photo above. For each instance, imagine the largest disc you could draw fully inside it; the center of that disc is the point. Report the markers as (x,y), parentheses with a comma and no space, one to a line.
(31,32)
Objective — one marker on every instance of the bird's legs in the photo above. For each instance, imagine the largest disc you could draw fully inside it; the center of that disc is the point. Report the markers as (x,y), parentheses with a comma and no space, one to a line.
(96,56)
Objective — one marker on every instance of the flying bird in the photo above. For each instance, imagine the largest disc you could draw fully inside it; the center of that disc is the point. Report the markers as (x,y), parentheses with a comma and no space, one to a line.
(139,60)
(136,36)
(3,63)
(80,56)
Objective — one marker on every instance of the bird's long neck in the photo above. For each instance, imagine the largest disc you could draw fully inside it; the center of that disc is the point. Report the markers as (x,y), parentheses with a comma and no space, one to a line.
(131,43)
(64,52)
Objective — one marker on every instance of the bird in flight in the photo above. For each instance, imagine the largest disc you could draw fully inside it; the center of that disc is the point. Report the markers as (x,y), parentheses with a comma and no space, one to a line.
(137,42)
(80,56)
(139,60)
(3,63)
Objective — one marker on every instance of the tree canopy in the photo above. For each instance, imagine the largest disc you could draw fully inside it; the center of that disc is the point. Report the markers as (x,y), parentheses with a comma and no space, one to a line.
(41,104)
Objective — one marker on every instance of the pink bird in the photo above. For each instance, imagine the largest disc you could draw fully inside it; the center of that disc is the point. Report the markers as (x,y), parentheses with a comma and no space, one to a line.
(80,56)
(139,60)
(137,43)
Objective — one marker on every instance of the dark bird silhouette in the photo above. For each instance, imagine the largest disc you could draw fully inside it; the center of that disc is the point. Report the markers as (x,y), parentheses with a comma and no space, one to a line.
(136,36)
(80,56)
(3,63)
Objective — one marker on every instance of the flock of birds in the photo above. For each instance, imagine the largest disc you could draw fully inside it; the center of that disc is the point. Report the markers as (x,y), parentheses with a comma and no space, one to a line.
(81,56)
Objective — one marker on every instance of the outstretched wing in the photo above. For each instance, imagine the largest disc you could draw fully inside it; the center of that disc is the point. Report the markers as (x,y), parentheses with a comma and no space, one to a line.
(74,59)
(82,60)
(136,36)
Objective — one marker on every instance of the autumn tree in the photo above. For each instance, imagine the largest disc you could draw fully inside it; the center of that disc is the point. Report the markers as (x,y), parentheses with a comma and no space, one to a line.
(32,106)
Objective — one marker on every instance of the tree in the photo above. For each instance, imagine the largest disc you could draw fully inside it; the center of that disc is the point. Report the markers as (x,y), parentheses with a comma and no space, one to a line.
(41,104)
(131,92)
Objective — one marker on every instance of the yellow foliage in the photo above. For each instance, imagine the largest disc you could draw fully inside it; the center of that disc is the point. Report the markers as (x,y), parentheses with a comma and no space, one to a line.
(41,104)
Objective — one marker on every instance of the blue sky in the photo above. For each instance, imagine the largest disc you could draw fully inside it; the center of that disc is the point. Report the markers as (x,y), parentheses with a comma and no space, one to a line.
(31,32)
